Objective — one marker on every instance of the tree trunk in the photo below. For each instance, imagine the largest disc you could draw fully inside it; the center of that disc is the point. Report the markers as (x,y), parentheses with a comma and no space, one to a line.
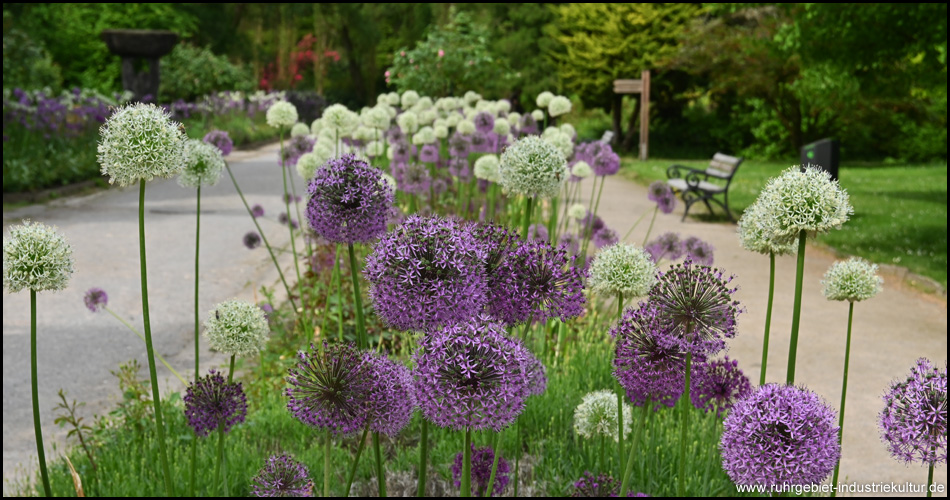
(351,59)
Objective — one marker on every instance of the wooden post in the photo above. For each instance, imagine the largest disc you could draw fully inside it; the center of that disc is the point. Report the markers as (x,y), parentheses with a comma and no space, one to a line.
(618,123)
(644,115)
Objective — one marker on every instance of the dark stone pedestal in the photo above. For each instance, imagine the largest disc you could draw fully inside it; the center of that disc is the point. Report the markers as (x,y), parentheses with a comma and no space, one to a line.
(140,51)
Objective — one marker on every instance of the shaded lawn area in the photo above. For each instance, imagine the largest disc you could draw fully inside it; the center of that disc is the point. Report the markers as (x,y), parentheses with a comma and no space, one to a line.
(900,211)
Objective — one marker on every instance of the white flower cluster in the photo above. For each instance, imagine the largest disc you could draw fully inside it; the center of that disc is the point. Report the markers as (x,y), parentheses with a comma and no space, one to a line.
(577,211)
(339,120)
(425,135)
(544,98)
(299,129)
(559,105)
(409,98)
(582,170)
(281,114)
(533,167)
(308,163)
(502,127)
(237,327)
(754,229)
(140,142)
(853,280)
(563,142)
(622,268)
(36,257)
(597,416)
(799,201)
(408,122)
(203,164)
(486,168)
(465,127)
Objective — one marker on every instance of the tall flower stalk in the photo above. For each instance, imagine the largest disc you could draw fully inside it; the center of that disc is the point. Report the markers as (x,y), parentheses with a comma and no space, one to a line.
(282,115)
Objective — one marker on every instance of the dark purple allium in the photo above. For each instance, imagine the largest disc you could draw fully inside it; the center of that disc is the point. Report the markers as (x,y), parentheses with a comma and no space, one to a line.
(347,201)
(535,281)
(429,153)
(698,251)
(528,126)
(601,485)
(257,211)
(252,240)
(211,402)
(537,375)
(695,302)
(331,388)
(496,241)
(396,135)
(402,152)
(606,162)
(412,178)
(605,237)
(484,122)
(780,436)
(96,299)
(221,140)
(393,398)
(717,385)
(484,142)
(538,232)
(289,198)
(591,223)
(667,204)
(914,420)
(471,376)
(658,190)
(459,168)
(570,243)
(647,367)
(459,145)
(427,273)
(482,460)
(665,246)
(282,476)
(297,147)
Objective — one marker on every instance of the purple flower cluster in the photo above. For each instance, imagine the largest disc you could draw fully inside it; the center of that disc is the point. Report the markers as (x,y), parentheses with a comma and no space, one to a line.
(665,246)
(295,148)
(600,156)
(211,402)
(482,460)
(427,273)
(601,485)
(284,219)
(605,237)
(484,142)
(717,385)
(780,436)
(96,299)
(252,240)
(471,376)
(913,422)
(412,178)
(698,251)
(459,146)
(648,367)
(221,140)
(282,476)
(348,201)
(528,126)
(70,114)
(392,399)
(484,122)
(331,388)
(429,153)
(538,232)
(537,375)
(257,211)
(661,193)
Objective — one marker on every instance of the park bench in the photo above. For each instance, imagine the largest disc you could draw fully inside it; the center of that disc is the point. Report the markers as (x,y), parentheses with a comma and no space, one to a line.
(693,184)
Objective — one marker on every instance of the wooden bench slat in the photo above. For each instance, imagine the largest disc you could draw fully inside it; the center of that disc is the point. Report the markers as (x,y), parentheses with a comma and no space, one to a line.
(694,186)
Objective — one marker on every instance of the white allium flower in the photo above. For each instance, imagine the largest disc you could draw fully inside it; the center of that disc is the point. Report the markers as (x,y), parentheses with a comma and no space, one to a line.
(544,98)
(377,118)
(538,115)
(237,327)
(513,119)
(441,131)
(365,134)
(485,107)
(533,167)
(427,116)
(440,122)
(469,112)
(425,135)
(558,106)
(754,229)
(316,127)
(375,148)
(559,140)
(471,98)
(577,211)
(392,112)
(408,122)
(622,268)
(140,142)
(582,169)
(409,98)
(453,119)
(568,130)
(853,280)
(394,99)
(340,120)
(486,168)
(424,103)
(597,416)
(803,201)
(502,127)
(308,163)
(282,114)
(203,164)
(322,153)
(299,129)
(550,132)
(382,99)
(388,181)
(502,107)
(36,257)
(466,127)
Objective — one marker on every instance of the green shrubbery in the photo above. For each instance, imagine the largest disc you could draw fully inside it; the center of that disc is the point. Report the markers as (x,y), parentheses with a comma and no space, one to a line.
(190,72)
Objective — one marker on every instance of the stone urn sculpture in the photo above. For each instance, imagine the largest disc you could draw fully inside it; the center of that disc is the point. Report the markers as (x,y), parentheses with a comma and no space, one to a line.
(140,51)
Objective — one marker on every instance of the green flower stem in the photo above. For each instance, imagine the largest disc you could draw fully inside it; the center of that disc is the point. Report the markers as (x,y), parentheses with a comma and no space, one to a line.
(797,310)
(194,466)
(768,318)
(153,377)
(380,473)
(326,466)
(356,462)
(221,469)
(517,456)
(844,392)
(560,343)
(333,278)
(159,356)
(628,468)
(339,302)
(650,228)
(423,458)
(685,403)
(492,194)
(472,197)
(930,476)
(585,231)
(496,439)
(37,429)
(634,226)
(197,253)
(361,340)
(290,225)
(552,222)
(603,454)
(412,204)
(526,219)
(260,231)
(467,465)
(620,447)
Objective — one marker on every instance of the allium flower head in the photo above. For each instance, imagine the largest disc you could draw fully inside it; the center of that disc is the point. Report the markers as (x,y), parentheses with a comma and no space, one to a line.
(412,178)
(647,366)
(299,129)
(96,299)
(257,211)
(622,268)
(658,190)
(409,98)
(252,240)
(537,375)
(221,140)
(393,398)
(346,202)
(665,246)
(559,105)
(295,148)
(913,422)
(429,152)
(339,120)
(426,273)
(484,122)
(471,376)
(607,163)
(36,257)
(597,416)
(282,114)
(282,476)
(237,327)
(487,168)
(577,211)
(482,460)
(605,237)
(561,141)
(471,97)
(756,228)
(853,280)
(533,167)
(307,165)
(408,122)
(717,385)
(501,127)
(376,118)
(331,388)
(203,165)
(601,485)
(425,135)
(211,402)
(698,251)
(544,98)
(538,115)
(780,436)
(140,142)
(581,170)
(807,201)
(466,127)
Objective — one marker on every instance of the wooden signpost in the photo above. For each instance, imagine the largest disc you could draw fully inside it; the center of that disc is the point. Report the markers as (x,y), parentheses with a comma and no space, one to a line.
(642,87)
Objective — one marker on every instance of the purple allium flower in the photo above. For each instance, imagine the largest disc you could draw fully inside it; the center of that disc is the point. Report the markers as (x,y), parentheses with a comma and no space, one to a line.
(606,162)
(221,140)
(412,178)
(347,201)
(267,308)
(591,224)
(647,367)
(252,240)
(482,460)
(538,232)
(529,126)
(484,122)
(396,135)
(696,305)
(605,237)
(717,385)
(665,246)
(96,299)
(535,282)
(537,375)
(211,402)
(459,168)
(658,190)
(471,376)
(393,399)
(297,147)
(429,153)
(698,251)
(484,142)
(257,211)
(780,436)
(667,204)
(601,485)
(427,273)
(459,145)
(289,198)
(914,419)
(496,241)
(282,476)
(570,243)
(402,152)
(331,388)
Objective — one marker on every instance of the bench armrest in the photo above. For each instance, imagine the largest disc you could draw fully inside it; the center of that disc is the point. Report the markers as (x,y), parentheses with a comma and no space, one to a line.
(682,171)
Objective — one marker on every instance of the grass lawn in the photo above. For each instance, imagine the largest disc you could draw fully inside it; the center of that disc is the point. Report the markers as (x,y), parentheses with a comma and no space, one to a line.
(900,211)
